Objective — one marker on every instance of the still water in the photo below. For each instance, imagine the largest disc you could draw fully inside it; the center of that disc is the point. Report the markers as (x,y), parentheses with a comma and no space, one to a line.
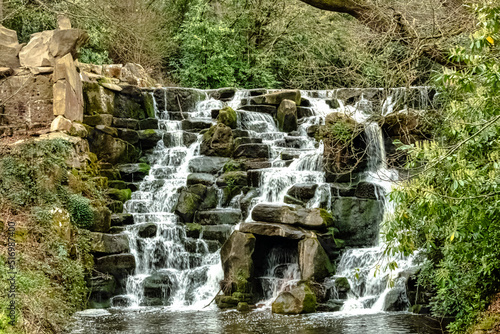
(165,320)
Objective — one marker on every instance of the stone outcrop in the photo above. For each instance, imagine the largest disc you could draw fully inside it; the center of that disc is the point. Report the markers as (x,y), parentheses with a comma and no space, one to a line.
(237,262)
(313,261)
(9,48)
(287,116)
(299,299)
(45,47)
(68,94)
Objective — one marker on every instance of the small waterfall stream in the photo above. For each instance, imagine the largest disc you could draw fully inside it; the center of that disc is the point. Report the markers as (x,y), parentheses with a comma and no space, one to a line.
(175,270)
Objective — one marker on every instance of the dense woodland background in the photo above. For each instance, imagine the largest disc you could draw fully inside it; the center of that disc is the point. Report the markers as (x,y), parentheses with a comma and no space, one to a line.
(450,207)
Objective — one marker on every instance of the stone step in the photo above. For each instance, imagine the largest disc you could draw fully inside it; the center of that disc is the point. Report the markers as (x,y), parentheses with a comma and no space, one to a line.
(247,140)
(122,219)
(207,164)
(252,151)
(149,138)
(179,138)
(195,125)
(133,172)
(218,217)
(127,123)
(266,109)
(148,123)
(219,233)
(200,178)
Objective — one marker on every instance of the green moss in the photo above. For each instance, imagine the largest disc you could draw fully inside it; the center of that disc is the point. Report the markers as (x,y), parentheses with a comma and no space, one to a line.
(341,283)
(327,218)
(228,116)
(150,132)
(149,105)
(121,195)
(233,166)
(144,168)
(193,227)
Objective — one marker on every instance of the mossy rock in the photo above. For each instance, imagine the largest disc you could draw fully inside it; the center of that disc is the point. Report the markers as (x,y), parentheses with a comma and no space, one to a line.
(228,117)
(327,217)
(121,195)
(299,299)
(193,230)
(149,106)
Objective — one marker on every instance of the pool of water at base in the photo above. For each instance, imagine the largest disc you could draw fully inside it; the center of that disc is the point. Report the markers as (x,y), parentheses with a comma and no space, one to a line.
(166,320)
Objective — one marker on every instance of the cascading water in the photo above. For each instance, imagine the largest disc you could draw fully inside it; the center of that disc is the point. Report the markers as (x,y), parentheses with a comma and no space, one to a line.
(175,270)
(171,269)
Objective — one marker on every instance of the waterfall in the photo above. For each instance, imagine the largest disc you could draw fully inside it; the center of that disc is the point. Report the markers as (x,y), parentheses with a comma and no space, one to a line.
(180,271)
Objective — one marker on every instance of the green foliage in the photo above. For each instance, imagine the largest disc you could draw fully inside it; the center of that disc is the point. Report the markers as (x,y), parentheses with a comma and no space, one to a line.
(233,166)
(450,208)
(81,211)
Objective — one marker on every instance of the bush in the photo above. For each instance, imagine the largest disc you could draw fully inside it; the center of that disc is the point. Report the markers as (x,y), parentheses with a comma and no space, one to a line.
(81,211)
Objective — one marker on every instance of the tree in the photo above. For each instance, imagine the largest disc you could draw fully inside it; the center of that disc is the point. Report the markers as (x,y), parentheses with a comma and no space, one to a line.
(423,26)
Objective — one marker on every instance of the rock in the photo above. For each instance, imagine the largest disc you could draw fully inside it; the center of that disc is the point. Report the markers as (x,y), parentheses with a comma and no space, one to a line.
(107,130)
(122,219)
(266,109)
(134,74)
(200,178)
(237,262)
(277,97)
(67,90)
(102,219)
(60,123)
(118,265)
(102,243)
(5,71)
(358,220)
(148,123)
(218,217)
(246,140)
(97,100)
(217,141)
(128,123)
(312,130)
(128,135)
(275,230)
(246,201)
(396,300)
(183,99)
(224,94)
(192,125)
(303,191)
(240,133)
(122,301)
(149,138)
(342,287)
(305,102)
(189,201)
(287,116)
(304,112)
(228,117)
(111,86)
(368,190)
(147,230)
(313,261)
(102,288)
(78,130)
(46,46)
(252,151)
(158,287)
(99,119)
(130,103)
(112,70)
(110,149)
(283,214)
(232,179)
(9,48)
(210,165)
(243,307)
(133,172)
(299,299)
(41,70)
(219,233)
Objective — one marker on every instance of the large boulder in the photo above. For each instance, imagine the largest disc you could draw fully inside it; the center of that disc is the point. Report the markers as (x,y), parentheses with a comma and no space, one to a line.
(131,103)
(118,265)
(182,99)
(277,97)
(103,243)
(313,261)
(287,116)
(358,220)
(46,46)
(217,141)
(135,74)
(299,299)
(251,151)
(193,198)
(9,48)
(209,165)
(68,93)
(97,99)
(283,214)
(236,257)
(228,117)
(303,191)
(275,230)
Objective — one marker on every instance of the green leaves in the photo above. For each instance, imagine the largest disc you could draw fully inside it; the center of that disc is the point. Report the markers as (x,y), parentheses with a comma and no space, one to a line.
(450,208)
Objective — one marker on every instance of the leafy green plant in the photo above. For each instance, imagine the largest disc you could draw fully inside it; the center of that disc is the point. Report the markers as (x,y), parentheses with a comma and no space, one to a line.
(80,210)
